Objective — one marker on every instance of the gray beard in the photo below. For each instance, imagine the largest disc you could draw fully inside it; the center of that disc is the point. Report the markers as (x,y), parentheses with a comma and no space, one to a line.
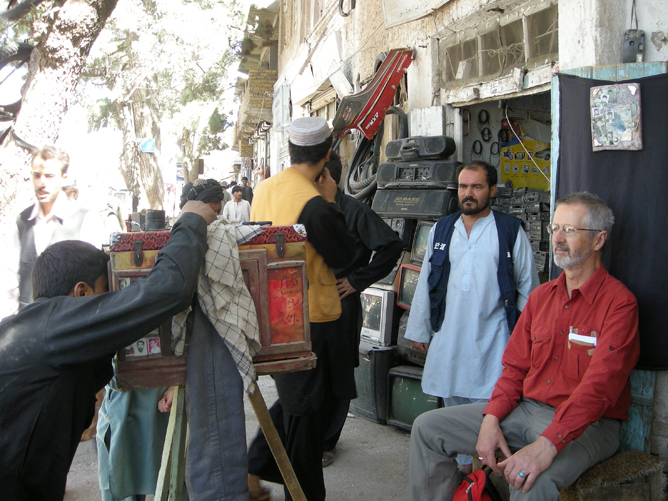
(571,261)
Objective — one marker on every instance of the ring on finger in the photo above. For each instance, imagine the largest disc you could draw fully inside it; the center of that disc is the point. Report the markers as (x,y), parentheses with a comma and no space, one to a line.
(521,474)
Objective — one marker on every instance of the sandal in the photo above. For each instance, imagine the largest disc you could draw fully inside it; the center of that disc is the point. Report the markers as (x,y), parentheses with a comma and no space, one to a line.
(328,457)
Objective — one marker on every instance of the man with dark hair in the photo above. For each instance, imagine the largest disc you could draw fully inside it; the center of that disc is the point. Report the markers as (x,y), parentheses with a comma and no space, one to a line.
(565,383)
(237,210)
(372,236)
(247,193)
(305,194)
(208,191)
(476,277)
(56,353)
(52,219)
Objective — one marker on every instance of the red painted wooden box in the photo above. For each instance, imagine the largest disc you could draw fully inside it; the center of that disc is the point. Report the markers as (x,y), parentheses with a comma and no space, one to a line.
(274,270)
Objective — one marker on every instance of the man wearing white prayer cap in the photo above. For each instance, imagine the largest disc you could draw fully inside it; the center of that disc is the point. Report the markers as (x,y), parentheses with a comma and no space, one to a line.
(304,194)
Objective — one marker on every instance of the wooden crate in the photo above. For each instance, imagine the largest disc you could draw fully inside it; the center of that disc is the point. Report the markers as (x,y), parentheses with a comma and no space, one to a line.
(274,270)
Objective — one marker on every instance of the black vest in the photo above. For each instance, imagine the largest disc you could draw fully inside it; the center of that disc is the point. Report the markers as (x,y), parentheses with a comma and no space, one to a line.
(507,228)
(66,229)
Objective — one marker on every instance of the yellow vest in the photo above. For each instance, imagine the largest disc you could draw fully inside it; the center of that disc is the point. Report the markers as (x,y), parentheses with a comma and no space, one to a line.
(281,199)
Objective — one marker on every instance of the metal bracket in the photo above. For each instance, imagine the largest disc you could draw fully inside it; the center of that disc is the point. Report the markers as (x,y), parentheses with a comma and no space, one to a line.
(280,244)
(137,252)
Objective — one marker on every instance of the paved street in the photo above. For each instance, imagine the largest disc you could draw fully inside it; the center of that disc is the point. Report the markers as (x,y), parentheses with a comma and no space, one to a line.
(371,462)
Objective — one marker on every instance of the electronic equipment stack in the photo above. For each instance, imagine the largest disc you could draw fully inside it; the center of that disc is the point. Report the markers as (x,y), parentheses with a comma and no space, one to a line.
(417,185)
(532,206)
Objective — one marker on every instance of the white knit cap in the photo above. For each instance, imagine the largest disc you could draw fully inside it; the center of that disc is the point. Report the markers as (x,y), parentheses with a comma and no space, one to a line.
(308,131)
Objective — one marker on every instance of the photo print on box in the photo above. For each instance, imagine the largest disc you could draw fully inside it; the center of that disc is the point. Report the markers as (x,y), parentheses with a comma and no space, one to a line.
(141,348)
(154,346)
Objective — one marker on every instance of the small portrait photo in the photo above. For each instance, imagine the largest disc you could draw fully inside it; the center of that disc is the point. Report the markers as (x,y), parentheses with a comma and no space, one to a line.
(123,282)
(129,351)
(154,346)
(141,349)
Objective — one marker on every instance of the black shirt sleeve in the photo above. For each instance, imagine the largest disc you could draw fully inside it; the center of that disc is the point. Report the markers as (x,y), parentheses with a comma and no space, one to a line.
(326,231)
(373,234)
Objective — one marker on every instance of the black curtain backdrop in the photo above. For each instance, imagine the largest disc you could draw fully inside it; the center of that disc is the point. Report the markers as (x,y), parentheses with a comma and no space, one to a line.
(635,185)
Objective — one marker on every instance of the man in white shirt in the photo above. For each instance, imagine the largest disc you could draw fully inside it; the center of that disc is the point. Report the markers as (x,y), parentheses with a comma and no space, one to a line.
(237,210)
(53,218)
(476,276)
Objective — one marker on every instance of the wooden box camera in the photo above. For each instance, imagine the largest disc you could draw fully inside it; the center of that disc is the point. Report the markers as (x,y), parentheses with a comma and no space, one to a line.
(273,264)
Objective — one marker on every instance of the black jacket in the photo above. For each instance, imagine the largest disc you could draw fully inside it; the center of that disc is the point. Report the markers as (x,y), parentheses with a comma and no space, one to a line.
(56,354)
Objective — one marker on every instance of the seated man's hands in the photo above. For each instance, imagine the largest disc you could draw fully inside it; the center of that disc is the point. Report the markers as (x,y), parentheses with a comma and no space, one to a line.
(200,208)
(490,439)
(531,460)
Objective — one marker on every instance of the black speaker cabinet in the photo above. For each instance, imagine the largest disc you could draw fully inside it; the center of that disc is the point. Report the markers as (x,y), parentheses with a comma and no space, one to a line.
(371,382)
(420,147)
(422,174)
(405,400)
(420,204)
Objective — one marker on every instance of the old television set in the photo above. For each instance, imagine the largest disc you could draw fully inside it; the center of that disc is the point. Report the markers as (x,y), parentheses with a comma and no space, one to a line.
(404,347)
(405,398)
(371,381)
(408,279)
(419,248)
(377,316)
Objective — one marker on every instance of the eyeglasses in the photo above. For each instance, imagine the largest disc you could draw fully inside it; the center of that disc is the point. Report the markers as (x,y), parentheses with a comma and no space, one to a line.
(566,229)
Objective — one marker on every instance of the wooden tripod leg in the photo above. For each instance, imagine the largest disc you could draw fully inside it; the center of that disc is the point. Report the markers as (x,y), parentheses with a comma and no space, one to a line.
(173,464)
(275,444)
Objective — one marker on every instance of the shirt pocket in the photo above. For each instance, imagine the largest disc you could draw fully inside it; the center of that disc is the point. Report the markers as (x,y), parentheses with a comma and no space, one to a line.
(540,347)
(577,356)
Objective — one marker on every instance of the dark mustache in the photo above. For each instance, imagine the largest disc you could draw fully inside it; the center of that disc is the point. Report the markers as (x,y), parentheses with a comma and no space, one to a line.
(469,199)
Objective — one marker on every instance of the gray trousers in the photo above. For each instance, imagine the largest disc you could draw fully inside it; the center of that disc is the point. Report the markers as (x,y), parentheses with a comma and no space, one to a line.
(439,435)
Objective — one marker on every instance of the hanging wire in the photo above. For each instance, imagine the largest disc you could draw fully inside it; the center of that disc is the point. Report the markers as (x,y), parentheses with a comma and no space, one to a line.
(634,14)
(524,147)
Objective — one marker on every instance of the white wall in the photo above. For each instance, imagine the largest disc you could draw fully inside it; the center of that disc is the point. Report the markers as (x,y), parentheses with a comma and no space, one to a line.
(591,31)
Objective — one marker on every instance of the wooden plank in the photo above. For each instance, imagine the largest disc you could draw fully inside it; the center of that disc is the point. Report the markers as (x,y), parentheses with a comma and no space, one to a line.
(275,444)
(178,460)
(285,365)
(162,486)
(584,72)
(173,464)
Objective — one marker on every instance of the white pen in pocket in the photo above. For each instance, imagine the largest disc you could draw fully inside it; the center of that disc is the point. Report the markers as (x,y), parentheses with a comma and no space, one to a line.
(581,338)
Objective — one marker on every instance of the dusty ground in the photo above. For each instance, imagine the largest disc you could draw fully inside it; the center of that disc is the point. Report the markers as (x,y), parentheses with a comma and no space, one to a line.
(371,462)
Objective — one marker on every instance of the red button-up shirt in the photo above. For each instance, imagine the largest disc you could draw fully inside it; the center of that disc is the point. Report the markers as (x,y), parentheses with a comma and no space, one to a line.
(584,383)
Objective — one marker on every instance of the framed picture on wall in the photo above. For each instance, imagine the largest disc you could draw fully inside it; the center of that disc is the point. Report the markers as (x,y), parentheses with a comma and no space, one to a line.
(616,117)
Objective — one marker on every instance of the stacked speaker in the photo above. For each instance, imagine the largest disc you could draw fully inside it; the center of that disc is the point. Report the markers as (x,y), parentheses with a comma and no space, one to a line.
(416,186)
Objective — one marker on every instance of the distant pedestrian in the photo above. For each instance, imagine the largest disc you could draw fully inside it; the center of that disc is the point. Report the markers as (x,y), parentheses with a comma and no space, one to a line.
(237,210)
(247,193)
(51,219)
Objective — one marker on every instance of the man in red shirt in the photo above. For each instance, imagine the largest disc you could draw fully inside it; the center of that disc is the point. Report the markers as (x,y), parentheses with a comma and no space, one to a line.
(564,388)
